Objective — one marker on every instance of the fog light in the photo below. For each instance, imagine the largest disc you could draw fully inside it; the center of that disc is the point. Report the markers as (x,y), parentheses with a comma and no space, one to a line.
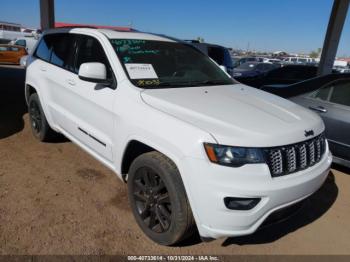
(237,203)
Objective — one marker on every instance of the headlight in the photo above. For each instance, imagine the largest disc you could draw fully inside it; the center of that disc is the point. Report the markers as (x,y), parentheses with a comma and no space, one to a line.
(233,156)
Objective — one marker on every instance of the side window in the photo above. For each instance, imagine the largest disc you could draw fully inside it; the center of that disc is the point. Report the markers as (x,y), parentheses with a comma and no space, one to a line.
(341,94)
(323,93)
(21,42)
(44,48)
(63,47)
(90,50)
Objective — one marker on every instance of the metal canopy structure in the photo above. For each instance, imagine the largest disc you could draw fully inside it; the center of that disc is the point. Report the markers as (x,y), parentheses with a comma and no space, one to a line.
(47,14)
(334,31)
(330,45)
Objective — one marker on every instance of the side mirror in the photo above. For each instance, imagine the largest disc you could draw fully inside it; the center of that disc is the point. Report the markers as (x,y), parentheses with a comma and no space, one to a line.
(93,72)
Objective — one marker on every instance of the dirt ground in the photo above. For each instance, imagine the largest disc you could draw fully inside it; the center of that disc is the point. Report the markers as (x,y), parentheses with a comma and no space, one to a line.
(56,199)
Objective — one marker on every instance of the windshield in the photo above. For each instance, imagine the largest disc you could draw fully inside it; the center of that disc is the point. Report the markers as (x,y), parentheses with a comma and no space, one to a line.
(157,64)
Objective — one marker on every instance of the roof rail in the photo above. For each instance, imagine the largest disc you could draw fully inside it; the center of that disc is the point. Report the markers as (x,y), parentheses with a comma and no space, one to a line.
(75,26)
(164,36)
(114,28)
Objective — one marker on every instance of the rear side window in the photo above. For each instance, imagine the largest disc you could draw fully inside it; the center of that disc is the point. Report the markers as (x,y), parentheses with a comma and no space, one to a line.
(341,93)
(63,48)
(323,93)
(44,48)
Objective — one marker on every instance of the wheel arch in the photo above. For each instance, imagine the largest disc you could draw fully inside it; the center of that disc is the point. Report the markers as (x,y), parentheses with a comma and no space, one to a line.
(136,147)
(29,90)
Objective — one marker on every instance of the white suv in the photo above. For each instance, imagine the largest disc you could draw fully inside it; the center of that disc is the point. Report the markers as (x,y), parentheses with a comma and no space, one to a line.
(196,148)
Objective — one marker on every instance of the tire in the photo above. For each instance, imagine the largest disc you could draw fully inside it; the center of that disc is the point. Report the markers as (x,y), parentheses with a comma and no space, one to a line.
(40,127)
(158,199)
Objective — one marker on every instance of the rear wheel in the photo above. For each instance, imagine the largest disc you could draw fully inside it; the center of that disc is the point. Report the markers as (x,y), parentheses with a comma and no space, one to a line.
(158,199)
(40,127)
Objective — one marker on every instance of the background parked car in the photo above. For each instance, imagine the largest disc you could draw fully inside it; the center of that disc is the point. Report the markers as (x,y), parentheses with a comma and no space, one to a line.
(252,69)
(299,60)
(218,53)
(282,76)
(247,59)
(341,69)
(329,96)
(11,54)
(27,42)
(332,103)
(272,60)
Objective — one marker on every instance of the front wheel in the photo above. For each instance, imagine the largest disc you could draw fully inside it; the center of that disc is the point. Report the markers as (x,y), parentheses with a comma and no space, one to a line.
(158,199)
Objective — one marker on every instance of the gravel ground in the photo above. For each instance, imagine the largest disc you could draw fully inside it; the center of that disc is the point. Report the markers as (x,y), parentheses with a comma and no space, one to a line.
(56,199)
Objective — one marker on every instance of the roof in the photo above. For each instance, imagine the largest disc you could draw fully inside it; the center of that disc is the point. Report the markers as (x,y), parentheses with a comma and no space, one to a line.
(133,35)
(117,28)
(197,43)
(112,34)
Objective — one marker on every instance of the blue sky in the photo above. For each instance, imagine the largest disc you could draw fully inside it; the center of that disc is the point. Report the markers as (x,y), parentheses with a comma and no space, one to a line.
(269,25)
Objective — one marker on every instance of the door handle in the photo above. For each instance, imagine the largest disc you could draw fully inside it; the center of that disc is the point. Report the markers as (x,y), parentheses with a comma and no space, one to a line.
(71,82)
(43,68)
(319,109)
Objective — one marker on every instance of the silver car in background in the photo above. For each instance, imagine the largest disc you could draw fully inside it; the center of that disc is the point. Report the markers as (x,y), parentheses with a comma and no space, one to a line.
(332,103)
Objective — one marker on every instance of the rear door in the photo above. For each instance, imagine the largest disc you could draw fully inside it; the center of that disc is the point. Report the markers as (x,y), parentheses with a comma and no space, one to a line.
(55,71)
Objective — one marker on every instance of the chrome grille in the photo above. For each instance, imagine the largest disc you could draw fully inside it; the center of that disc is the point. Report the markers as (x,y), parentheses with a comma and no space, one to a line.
(293,158)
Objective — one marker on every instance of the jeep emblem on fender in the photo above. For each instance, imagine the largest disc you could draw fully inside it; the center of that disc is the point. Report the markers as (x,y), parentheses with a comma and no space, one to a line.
(309,133)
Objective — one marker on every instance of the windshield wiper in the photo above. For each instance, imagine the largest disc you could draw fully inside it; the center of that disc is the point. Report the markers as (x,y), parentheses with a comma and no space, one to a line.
(211,82)
(191,83)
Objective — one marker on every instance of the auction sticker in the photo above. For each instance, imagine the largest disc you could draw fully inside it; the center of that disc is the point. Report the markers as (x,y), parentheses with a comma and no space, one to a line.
(141,71)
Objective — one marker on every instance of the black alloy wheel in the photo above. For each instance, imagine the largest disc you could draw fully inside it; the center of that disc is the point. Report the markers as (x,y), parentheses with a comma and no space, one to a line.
(158,199)
(152,200)
(35,116)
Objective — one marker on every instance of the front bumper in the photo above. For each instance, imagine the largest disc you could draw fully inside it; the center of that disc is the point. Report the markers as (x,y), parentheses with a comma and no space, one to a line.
(208,184)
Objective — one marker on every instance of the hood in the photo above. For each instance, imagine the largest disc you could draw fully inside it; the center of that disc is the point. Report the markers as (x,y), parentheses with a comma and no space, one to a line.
(237,115)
